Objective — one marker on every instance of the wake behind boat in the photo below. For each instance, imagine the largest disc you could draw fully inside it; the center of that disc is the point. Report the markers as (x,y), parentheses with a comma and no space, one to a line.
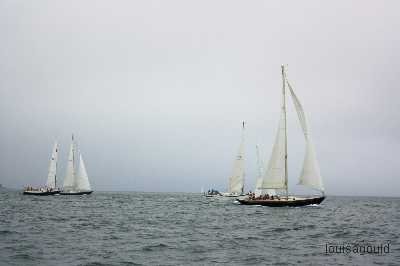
(276,175)
(76,184)
(76,192)
(51,184)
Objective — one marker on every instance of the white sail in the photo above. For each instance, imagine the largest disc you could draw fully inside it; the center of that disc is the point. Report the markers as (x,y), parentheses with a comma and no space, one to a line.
(82,179)
(52,174)
(69,180)
(274,176)
(260,170)
(236,181)
(258,190)
(310,175)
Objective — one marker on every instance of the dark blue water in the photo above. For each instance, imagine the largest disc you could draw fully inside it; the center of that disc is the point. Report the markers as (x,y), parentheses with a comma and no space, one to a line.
(188,229)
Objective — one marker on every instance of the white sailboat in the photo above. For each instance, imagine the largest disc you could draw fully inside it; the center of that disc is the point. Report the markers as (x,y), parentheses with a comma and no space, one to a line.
(76,184)
(236,180)
(51,184)
(275,175)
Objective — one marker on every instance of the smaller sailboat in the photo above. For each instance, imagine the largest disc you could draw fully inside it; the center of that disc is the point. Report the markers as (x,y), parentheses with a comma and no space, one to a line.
(51,184)
(236,180)
(76,184)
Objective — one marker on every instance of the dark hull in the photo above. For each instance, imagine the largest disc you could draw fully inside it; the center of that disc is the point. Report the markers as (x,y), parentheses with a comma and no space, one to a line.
(76,193)
(283,202)
(38,193)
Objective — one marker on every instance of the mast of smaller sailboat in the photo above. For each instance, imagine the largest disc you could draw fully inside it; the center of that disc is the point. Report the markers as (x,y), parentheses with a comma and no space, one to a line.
(73,161)
(55,174)
(243,173)
(284,114)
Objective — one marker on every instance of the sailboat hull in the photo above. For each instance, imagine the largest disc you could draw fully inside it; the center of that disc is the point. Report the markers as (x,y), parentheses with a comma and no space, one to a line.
(232,195)
(292,202)
(40,193)
(76,193)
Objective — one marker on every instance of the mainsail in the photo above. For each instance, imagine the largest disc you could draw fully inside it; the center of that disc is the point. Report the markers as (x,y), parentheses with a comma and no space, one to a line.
(236,181)
(258,190)
(260,170)
(275,175)
(310,175)
(82,183)
(69,180)
(52,174)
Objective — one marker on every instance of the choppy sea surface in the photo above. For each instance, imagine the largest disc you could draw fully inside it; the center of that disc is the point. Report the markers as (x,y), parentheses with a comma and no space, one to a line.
(132,228)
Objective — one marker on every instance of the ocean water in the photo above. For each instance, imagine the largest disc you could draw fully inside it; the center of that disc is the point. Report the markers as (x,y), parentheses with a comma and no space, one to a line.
(134,228)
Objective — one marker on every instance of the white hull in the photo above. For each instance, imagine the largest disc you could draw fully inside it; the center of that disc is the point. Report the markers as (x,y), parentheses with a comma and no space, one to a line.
(231,195)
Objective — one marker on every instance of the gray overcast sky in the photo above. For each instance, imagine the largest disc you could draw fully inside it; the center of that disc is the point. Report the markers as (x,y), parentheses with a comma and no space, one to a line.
(155,91)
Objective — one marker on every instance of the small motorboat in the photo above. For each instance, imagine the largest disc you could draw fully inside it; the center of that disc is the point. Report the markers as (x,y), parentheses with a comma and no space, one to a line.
(213,193)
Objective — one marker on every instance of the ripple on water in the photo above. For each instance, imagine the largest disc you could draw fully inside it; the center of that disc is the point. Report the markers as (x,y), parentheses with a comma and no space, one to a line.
(155,247)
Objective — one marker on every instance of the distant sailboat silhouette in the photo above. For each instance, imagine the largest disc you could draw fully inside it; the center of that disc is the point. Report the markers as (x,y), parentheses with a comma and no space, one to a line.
(76,184)
(276,174)
(236,180)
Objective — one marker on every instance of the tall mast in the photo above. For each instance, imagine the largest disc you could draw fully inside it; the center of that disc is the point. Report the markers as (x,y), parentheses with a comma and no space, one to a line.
(73,161)
(284,113)
(243,158)
(55,175)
